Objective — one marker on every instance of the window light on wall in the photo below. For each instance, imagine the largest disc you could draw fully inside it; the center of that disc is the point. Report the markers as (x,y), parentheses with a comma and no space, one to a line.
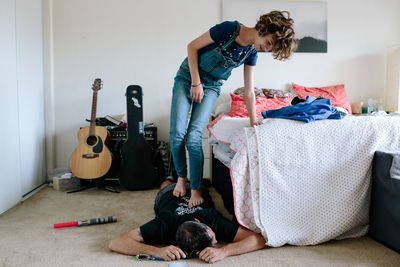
(392,88)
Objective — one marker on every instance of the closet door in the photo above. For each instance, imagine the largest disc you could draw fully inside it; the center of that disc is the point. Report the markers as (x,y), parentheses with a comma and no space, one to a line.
(22,138)
(29,36)
(10,176)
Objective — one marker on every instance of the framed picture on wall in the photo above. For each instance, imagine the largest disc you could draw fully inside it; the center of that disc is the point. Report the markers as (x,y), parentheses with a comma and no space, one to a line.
(310,19)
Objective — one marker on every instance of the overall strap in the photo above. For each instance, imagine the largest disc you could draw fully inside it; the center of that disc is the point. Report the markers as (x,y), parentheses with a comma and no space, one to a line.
(245,55)
(234,35)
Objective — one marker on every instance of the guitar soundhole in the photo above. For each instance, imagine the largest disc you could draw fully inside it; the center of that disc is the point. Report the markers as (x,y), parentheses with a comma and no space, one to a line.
(91,140)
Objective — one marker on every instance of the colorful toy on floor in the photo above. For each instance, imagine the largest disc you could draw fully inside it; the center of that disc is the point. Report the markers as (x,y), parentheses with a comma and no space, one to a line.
(87,222)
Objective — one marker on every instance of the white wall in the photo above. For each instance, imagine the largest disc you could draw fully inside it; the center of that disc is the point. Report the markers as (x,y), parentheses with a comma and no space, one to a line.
(143,42)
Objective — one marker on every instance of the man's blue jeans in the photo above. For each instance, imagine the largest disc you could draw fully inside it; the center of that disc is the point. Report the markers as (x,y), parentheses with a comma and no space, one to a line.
(179,136)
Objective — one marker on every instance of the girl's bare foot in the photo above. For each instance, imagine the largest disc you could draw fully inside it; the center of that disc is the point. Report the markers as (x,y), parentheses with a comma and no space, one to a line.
(195,198)
(180,188)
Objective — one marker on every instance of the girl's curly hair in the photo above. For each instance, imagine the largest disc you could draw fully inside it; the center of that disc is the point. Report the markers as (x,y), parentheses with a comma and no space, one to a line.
(280,25)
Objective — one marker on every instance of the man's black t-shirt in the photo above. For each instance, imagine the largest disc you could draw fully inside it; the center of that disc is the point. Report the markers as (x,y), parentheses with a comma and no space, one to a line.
(172,212)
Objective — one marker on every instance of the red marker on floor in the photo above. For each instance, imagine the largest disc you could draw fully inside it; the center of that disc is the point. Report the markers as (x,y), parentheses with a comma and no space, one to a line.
(87,222)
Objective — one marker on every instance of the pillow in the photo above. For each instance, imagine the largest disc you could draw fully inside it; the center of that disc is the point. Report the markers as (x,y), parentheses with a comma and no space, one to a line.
(273,93)
(238,105)
(335,93)
(240,91)
(222,108)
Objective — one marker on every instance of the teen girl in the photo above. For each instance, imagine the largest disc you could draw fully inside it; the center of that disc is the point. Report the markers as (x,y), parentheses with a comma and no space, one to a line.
(211,58)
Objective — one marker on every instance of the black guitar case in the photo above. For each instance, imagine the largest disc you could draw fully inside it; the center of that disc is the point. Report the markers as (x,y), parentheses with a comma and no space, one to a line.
(137,169)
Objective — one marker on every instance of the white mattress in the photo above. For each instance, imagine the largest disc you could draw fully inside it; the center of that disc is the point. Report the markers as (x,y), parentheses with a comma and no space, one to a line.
(221,138)
(222,152)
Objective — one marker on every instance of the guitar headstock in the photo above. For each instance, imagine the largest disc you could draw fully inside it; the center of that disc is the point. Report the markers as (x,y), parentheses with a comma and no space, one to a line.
(96,84)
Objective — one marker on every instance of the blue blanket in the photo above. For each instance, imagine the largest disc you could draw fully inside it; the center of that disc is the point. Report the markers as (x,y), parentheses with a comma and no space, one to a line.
(310,110)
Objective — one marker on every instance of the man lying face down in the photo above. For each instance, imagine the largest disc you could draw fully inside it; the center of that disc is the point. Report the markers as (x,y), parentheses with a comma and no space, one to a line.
(188,232)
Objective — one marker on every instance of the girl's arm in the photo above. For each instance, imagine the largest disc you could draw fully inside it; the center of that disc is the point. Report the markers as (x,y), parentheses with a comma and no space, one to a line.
(248,72)
(196,93)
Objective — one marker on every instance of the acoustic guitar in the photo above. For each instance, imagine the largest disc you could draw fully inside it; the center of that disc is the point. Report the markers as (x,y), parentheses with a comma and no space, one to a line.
(137,170)
(91,159)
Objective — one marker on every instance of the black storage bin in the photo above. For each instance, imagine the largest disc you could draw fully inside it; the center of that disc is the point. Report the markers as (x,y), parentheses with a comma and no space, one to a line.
(385,203)
(221,181)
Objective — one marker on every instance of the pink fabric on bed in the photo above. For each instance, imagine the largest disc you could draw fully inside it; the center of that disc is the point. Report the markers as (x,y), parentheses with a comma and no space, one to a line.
(239,110)
(240,178)
(230,131)
(335,93)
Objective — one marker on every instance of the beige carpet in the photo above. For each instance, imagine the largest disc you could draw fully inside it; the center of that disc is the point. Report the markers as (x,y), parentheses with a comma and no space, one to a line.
(27,237)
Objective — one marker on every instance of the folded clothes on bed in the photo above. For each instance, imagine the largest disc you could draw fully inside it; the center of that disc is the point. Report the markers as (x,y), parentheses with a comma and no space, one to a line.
(310,110)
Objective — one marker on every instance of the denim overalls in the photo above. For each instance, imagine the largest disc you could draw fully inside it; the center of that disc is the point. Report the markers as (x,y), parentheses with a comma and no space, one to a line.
(214,67)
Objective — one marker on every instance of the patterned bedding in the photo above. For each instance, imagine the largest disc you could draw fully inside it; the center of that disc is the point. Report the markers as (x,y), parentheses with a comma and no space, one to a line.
(303,184)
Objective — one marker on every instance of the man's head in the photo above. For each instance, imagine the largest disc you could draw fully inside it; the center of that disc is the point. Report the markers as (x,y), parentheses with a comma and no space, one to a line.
(194,236)
(276,26)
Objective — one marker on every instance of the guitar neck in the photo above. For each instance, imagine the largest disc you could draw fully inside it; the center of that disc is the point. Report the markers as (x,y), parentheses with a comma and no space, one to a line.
(92,131)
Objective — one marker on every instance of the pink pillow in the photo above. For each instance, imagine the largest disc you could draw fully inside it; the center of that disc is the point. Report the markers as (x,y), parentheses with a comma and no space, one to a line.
(238,105)
(335,93)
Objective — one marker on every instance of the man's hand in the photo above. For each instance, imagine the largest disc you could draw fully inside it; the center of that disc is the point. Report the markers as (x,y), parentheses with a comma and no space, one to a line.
(245,241)
(131,243)
(197,93)
(212,255)
(169,253)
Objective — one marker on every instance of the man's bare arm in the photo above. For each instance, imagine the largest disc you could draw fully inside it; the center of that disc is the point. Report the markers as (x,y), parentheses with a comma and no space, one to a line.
(245,241)
(131,243)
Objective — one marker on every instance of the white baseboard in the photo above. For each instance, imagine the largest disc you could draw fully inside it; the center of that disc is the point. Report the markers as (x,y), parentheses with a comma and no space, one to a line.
(34,191)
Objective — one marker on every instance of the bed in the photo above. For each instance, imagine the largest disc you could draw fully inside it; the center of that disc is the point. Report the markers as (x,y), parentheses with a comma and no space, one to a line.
(299,183)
